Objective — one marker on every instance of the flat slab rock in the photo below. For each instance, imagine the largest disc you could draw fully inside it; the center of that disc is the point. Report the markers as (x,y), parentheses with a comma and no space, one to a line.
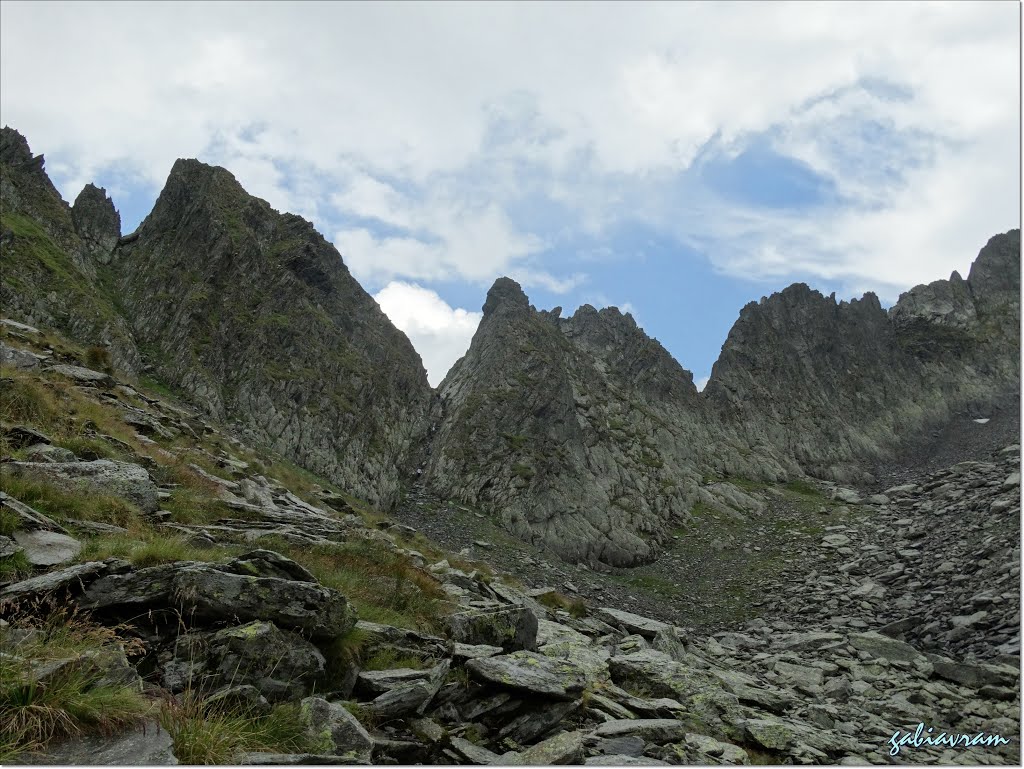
(47,548)
(83,375)
(532,673)
(633,623)
(149,745)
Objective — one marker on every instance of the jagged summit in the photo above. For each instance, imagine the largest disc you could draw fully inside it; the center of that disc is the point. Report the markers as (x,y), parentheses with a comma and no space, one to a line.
(505,293)
(97,222)
(255,316)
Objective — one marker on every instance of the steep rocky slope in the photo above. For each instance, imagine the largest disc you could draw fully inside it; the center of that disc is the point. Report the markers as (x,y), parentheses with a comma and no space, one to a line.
(581,434)
(255,316)
(838,385)
(48,252)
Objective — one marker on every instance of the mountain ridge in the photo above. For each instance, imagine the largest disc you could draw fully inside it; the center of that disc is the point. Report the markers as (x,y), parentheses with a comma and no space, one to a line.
(581,434)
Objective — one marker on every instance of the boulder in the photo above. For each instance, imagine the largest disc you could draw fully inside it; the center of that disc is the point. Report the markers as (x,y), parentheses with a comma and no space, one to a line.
(513,628)
(83,376)
(974,676)
(338,730)
(560,750)
(47,548)
(23,360)
(280,664)
(633,623)
(69,581)
(657,730)
(532,673)
(206,594)
(878,645)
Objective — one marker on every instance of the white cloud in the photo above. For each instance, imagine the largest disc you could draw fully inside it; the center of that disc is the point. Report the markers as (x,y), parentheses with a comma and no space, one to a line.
(440,333)
(702,383)
(436,119)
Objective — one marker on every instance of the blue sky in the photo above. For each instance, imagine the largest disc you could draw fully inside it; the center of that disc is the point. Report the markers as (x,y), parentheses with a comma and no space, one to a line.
(676,160)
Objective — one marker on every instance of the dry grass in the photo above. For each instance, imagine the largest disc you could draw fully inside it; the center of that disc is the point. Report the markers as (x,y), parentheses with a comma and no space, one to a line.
(73,700)
(383,586)
(62,504)
(205,734)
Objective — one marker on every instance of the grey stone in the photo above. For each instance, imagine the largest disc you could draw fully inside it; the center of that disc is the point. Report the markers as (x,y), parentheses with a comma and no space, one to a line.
(73,579)
(532,673)
(346,735)
(799,674)
(513,628)
(562,749)
(280,664)
(474,754)
(878,645)
(82,375)
(147,746)
(47,548)
(656,730)
(22,360)
(633,623)
(622,760)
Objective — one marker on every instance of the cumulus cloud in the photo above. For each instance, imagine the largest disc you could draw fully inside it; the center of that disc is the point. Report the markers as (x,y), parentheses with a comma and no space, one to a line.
(439,332)
(702,383)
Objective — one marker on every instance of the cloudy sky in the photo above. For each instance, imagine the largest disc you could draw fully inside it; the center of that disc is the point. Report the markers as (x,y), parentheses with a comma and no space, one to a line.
(676,160)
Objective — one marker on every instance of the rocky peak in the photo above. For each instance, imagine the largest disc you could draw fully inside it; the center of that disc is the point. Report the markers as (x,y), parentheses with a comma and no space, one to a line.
(994,278)
(97,222)
(505,296)
(253,314)
(14,149)
(48,276)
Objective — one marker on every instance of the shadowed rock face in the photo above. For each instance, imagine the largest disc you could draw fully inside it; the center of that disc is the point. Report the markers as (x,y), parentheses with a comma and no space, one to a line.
(585,436)
(97,222)
(255,316)
(835,384)
(581,434)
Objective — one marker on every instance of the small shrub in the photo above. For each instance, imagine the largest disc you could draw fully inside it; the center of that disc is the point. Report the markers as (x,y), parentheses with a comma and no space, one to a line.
(26,401)
(800,486)
(15,567)
(97,357)
(523,471)
(576,607)
(71,701)
(383,585)
(88,448)
(10,522)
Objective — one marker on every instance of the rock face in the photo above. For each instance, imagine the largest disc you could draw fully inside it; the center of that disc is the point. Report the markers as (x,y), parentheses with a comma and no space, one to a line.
(48,264)
(255,316)
(833,385)
(97,222)
(582,434)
